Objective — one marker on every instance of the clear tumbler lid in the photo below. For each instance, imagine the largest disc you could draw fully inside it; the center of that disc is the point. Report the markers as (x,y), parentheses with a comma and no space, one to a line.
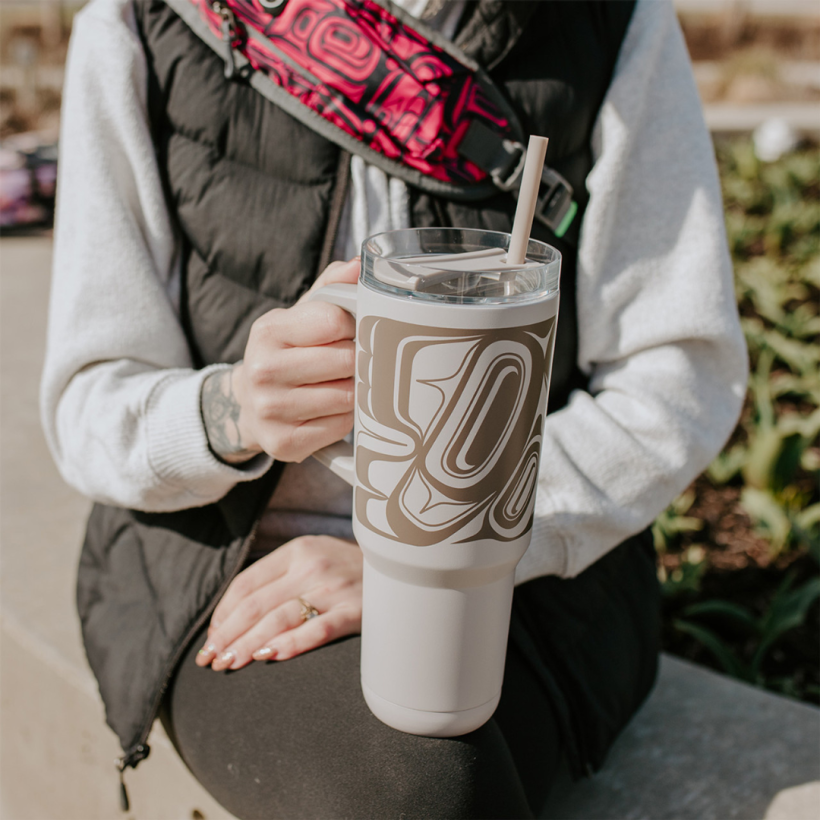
(458,266)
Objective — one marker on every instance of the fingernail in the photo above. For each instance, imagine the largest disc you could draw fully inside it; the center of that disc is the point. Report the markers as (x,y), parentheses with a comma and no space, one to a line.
(206,654)
(266,653)
(223,661)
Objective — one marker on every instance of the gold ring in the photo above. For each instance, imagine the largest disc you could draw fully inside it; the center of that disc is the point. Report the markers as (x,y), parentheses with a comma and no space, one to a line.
(308,610)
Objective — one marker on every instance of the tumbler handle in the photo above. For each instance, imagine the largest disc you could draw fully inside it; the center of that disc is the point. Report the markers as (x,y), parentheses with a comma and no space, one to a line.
(337,457)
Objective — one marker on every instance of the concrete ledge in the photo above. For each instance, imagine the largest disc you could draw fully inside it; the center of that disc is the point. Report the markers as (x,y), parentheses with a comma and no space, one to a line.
(704,747)
(733,118)
(57,756)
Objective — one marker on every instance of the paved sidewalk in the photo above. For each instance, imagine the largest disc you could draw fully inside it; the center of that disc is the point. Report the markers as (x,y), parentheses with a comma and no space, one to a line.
(42,518)
(56,758)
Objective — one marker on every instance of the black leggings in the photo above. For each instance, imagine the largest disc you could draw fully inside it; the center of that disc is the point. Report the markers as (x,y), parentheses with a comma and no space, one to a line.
(295,740)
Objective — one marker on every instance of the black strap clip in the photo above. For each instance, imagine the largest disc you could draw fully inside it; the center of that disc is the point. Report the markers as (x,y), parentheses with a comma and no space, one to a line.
(555,208)
(503,160)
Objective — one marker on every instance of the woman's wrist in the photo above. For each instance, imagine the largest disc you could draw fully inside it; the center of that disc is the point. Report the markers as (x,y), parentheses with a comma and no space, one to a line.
(221,409)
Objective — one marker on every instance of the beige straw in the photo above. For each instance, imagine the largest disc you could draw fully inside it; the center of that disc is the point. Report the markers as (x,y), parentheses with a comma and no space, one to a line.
(527,199)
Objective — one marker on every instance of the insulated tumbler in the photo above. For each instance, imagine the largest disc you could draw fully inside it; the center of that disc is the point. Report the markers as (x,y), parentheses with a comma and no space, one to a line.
(453,357)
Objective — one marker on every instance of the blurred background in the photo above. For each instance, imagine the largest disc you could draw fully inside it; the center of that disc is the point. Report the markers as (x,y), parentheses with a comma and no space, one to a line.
(738,552)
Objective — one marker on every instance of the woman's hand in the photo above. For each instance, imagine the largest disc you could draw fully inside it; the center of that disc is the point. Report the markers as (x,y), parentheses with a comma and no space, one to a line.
(260,616)
(293,392)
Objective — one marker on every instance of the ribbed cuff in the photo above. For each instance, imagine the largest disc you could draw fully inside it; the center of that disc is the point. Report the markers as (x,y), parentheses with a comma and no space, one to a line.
(178,448)
(547,553)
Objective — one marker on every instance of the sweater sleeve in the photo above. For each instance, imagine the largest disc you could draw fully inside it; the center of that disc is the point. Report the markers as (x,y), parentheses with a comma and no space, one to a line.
(119,396)
(659,333)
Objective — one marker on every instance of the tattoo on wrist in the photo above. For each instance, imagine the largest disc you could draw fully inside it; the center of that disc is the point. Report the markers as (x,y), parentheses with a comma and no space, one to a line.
(220,412)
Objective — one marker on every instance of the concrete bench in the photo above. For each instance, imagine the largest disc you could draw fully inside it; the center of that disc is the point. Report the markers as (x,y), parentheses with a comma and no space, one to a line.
(702,747)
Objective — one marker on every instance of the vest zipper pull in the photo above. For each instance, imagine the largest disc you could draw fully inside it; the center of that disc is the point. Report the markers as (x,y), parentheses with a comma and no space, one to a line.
(228,28)
(131,758)
(125,804)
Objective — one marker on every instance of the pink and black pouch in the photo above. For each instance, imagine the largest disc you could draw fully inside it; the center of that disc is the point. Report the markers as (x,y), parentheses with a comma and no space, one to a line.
(381,84)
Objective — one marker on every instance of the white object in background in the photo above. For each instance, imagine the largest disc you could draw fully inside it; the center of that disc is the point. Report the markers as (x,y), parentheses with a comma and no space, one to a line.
(774,138)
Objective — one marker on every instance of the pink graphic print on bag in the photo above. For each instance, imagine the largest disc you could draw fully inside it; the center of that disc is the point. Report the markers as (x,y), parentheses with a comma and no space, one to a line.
(356,65)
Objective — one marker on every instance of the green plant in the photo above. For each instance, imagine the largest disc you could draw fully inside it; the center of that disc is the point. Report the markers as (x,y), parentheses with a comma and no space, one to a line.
(787,611)
(773,224)
(764,487)
(673,521)
(686,577)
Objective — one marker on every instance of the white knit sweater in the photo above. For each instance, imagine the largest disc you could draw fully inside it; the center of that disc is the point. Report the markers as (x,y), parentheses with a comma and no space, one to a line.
(658,328)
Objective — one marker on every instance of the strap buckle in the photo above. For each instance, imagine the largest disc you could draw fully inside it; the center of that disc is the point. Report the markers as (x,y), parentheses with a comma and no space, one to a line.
(501,158)
(508,178)
(504,159)
(555,207)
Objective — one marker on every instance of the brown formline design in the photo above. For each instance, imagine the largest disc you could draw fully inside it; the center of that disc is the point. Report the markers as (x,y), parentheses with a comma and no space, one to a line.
(470,471)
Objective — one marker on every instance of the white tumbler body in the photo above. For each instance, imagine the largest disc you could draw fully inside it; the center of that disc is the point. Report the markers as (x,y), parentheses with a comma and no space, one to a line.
(451,394)
(440,560)
(434,643)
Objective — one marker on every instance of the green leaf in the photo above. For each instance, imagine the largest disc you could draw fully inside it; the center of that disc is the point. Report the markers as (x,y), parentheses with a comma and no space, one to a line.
(759,386)
(788,461)
(787,614)
(809,517)
(802,322)
(764,509)
(801,357)
(762,458)
(811,272)
(733,665)
(683,503)
(808,536)
(767,283)
(685,578)
(671,522)
(727,464)
(788,611)
(725,609)
(789,607)
(790,384)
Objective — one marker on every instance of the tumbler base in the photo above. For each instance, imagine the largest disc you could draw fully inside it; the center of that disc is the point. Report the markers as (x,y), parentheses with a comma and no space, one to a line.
(429,724)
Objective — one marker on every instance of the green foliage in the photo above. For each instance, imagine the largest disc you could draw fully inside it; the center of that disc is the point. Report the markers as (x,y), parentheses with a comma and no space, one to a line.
(773,225)
(687,576)
(772,213)
(787,610)
(673,521)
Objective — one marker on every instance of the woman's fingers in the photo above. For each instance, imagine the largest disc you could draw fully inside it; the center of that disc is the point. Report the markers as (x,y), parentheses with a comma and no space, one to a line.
(297,366)
(246,613)
(347,272)
(285,633)
(239,652)
(258,614)
(306,324)
(309,344)
(316,632)
(259,574)
(313,401)
(296,442)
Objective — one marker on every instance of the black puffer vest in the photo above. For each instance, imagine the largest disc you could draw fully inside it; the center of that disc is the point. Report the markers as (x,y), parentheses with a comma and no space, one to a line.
(256,197)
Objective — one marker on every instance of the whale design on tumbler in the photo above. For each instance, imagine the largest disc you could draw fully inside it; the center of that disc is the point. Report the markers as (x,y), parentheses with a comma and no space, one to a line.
(448,429)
